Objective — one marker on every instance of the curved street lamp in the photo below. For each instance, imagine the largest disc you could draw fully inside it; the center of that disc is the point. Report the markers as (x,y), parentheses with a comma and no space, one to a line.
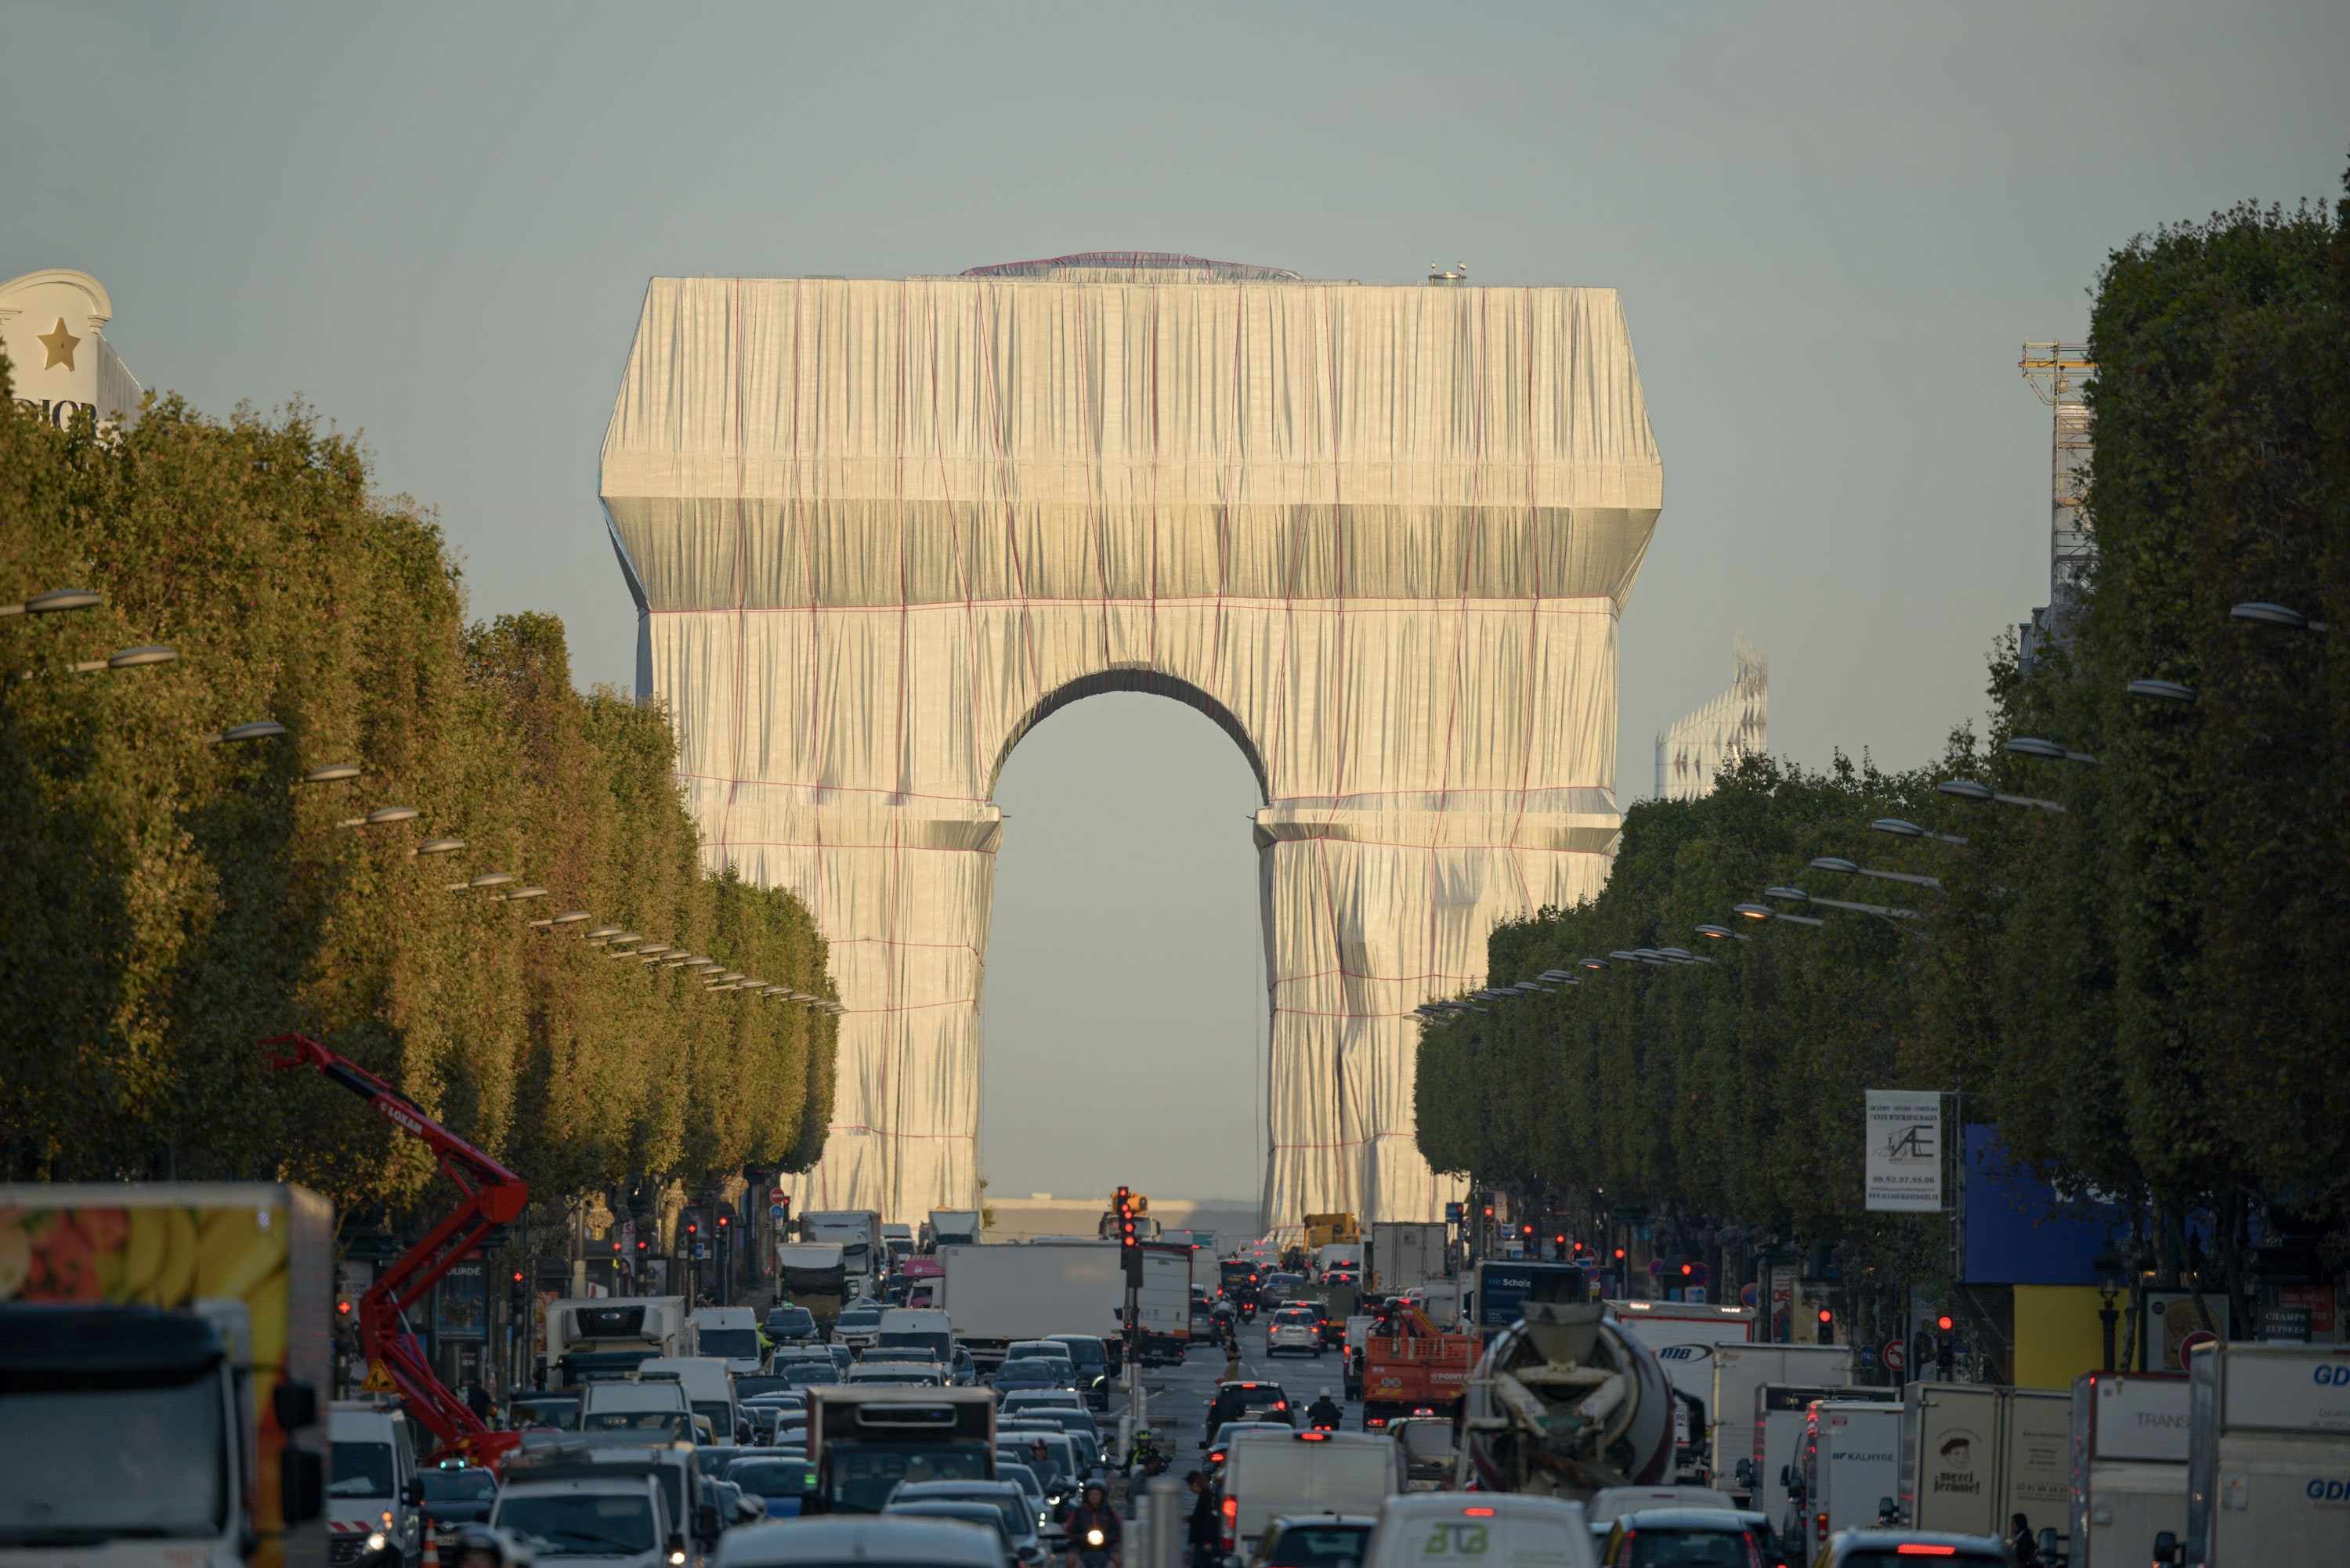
(2266,614)
(2162,691)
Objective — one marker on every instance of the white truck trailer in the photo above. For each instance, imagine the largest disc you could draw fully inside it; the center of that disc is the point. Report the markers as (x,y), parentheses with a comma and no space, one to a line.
(1026,1290)
(1685,1335)
(1973,1456)
(1782,1418)
(2129,1467)
(950,1227)
(2268,1456)
(858,1232)
(1850,1468)
(1740,1373)
(1405,1254)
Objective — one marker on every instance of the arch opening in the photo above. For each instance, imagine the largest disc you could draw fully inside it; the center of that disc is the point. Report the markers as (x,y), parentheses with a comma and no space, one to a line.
(1123,1023)
(1142,678)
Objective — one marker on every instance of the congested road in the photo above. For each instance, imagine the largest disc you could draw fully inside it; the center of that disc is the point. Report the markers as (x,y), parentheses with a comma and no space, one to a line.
(1176,1398)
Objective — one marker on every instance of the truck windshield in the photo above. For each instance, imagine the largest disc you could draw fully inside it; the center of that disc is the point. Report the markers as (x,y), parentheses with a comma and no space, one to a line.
(362,1469)
(83,1465)
(860,1476)
(670,1423)
(581,1524)
(733,1344)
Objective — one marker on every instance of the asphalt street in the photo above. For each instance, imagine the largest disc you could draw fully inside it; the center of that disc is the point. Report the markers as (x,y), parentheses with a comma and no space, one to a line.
(1176,1398)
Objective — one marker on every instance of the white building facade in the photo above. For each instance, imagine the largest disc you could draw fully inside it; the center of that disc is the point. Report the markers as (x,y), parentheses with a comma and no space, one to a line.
(52,325)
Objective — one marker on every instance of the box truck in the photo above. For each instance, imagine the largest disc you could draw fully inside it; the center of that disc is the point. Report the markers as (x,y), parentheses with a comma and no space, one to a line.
(1849,1469)
(166,1349)
(997,1294)
(1739,1371)
(2129,1467)
(1163,1306)
(611,1336)
(2268,1456)
(1404,1255)
(1974,1455)
(815,1275)
(1684,1335)
(1781,1413)
(858,1232)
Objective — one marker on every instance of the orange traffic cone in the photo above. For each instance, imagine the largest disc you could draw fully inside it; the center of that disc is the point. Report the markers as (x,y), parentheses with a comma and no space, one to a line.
(431,1546)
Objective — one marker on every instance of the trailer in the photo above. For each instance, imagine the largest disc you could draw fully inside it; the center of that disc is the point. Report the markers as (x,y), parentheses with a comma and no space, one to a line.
(2129,1466)
(1781,1415)
(1973,1456)
(1163,1306)
(999,1293)
(1403,1255)
(2268,1456)
(1740,1373)
(1685,1335)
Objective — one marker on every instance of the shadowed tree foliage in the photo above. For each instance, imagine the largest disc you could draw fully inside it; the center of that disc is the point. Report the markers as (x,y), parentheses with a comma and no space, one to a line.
(170,900)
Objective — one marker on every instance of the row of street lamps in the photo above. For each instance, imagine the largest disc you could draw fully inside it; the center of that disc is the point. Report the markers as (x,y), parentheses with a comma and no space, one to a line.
(500,884)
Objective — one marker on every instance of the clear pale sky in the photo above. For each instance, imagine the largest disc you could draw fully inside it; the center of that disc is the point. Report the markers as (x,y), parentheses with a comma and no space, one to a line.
(1833,227)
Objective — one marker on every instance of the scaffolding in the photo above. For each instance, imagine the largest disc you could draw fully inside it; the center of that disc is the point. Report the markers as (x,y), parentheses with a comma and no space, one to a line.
(1692,749)
(2059,373)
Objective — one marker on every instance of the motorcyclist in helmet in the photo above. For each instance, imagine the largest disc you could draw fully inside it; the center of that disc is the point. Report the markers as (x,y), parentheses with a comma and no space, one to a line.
(1092,1531)
(1324,1414)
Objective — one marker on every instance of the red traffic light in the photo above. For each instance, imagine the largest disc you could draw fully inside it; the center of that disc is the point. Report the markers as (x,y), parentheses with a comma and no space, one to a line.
(343,1307)
(1944,1323)
(1527,1230)
(721,1222)
(517,1276)
(1826,1316)
(1619,1254)
(1488,1211)
(1688,1269)
(1558,1241)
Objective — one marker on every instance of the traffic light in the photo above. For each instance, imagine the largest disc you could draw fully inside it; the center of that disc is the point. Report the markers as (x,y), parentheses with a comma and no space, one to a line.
(1946,1354)
(1129,1237)
(1619,1254)
(346,1310)
(724,1221)
(1827,1325)
(517,1296)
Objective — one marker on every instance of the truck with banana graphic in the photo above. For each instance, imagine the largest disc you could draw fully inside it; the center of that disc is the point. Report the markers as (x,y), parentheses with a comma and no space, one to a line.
(164,1356)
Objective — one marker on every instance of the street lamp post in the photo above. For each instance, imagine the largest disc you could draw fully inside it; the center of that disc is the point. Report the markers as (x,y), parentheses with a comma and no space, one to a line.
(2108,1267)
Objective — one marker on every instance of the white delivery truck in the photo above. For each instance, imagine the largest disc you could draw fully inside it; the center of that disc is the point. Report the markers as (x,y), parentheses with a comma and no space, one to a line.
(1973,1456)
(2268,1456)
(1739,1371)
(1684,1335)
(857,1231)
(2129,1467)
(1781,1413)
(1849,1469)
(997,1294)
(730,1333)
(1270,1474)
(608,1337)
(1338,1255)
(1163,1306)
(1405,1254)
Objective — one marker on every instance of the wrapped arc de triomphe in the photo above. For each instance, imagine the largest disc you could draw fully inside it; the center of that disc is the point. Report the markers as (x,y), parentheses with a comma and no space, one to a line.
(879,528)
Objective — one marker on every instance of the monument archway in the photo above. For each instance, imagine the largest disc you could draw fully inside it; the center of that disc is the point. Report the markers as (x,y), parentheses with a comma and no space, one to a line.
(879,528)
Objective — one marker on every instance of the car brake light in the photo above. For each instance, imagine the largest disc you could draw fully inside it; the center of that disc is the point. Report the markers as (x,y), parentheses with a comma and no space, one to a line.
(1919,1549)
(1311,1436)
(1478,1512)
(1281,1404)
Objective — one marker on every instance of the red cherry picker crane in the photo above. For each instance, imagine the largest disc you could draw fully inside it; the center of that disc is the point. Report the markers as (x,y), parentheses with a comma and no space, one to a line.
(494,1195)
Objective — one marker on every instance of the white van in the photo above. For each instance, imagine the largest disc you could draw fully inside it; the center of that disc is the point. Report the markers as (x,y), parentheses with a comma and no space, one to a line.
(1268,1473)
(376,1488)
(732,1334)
(709,1391)
(623,1515)
(1447,1529)
(657,1410)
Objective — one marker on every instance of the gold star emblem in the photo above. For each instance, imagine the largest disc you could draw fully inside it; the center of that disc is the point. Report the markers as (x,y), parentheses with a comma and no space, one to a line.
(60,344)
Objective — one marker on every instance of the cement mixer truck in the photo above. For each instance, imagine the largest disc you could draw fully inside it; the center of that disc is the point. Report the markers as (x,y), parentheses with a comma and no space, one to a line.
(1567,1401)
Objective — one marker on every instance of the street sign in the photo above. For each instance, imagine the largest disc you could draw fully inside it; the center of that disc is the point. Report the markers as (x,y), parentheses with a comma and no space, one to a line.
(1750,1295)
(2187,1343)
(1452,1214)
(776,1195)
(774,1210)
(1897,1359)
